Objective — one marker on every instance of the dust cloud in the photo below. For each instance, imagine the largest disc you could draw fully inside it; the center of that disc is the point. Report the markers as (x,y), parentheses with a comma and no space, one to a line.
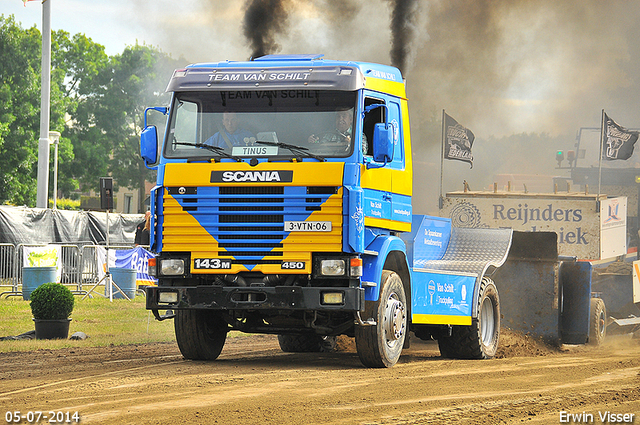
(524,76)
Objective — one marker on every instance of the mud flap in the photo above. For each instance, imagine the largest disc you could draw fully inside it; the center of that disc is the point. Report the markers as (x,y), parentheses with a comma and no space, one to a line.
(575,280)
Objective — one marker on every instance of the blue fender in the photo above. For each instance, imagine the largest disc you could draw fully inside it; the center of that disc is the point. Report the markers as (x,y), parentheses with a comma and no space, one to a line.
(375,255)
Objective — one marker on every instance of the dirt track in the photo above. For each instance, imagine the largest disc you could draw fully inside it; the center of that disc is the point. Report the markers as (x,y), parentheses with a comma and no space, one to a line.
(253,382)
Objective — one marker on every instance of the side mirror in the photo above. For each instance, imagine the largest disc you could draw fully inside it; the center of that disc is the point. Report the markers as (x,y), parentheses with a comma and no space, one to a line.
(149,145)
(383,143)
(149,136)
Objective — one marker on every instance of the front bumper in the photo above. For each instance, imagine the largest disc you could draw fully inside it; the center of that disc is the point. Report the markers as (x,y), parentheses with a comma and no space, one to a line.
(254,298)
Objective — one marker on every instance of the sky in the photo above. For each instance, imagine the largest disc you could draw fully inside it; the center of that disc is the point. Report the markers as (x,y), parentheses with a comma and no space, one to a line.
(499,67)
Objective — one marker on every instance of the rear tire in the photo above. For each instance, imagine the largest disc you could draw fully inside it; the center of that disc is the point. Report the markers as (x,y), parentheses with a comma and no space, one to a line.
(307,343)
(480,340)
(597,322)
(200,334)
(380,345)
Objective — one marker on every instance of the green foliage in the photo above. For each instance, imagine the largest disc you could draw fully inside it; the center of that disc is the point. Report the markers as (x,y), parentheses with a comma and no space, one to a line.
(97,104)
(66,204)
(51,301)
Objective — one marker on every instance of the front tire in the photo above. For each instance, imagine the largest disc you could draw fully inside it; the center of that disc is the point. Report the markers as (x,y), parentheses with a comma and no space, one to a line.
(380,345)
(480,340)
(200,334)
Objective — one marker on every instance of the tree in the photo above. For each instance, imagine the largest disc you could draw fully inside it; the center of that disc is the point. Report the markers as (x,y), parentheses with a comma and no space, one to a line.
(20,111)
(125,88)
(97,104)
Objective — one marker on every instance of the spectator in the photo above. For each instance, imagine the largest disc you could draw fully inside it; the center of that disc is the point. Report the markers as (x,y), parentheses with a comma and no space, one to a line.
(142,230)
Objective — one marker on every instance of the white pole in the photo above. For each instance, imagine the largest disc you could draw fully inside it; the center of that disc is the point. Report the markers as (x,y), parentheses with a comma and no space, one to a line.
(54,136)
(109,281)
(43,144)
(440,198)
(602,136)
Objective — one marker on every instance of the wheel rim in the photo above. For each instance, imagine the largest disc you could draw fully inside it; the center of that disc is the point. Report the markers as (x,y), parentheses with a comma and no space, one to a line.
(601,323)
(394,320)
(487,321)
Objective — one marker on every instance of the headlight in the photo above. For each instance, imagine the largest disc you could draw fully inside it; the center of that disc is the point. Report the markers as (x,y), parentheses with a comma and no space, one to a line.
(172,267)
(332,268)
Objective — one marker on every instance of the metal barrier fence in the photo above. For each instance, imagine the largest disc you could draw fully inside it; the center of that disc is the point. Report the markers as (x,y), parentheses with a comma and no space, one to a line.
(80,266)
(8,274)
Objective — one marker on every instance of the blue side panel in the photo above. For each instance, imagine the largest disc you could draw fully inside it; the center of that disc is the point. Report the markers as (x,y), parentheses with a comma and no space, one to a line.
(401,210)
(377,204)
(373,264)
(428,239)
(353,226)
(441,294)
(157,218)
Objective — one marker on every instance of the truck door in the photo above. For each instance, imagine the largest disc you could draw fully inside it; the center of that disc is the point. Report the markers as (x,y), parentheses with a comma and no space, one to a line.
(387,198)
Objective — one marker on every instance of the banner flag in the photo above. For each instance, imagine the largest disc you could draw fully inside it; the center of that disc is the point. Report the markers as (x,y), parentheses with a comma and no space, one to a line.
(25,2)
(458,141)
(137,259)
(617,142)
(43,256)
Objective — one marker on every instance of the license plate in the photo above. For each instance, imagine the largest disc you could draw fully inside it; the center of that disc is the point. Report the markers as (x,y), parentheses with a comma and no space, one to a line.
(211,263)
(307,226)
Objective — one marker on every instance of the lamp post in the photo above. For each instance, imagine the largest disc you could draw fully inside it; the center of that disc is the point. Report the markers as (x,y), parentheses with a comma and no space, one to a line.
(42,200)
(54,139)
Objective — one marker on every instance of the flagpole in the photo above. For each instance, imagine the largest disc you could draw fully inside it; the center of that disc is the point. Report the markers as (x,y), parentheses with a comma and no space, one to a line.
(601,146)
(440,198)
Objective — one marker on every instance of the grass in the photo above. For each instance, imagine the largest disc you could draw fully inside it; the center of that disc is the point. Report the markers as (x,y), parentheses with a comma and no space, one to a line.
(106,323)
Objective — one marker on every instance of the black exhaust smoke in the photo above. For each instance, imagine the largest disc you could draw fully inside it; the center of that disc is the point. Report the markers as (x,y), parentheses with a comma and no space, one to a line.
(402,31)
(264,19)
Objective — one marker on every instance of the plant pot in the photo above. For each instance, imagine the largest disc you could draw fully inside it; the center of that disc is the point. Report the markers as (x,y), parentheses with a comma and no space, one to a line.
(52,329)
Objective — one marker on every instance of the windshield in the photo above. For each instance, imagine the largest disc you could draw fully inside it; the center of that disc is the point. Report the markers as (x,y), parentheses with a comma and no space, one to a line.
(260,123)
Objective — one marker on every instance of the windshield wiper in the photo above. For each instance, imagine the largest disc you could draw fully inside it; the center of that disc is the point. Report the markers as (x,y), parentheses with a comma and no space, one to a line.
(296,150)
(220,151)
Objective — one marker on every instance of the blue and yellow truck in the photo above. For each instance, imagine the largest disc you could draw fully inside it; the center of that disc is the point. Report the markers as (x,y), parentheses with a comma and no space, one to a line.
(283,206)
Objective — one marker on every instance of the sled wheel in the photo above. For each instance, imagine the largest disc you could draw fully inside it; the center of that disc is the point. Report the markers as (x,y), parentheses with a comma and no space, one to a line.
(597,322)
(200,334)
(380,345)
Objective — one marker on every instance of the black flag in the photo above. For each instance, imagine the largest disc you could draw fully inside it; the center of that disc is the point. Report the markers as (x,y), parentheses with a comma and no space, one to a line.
(618,141)
(457,141)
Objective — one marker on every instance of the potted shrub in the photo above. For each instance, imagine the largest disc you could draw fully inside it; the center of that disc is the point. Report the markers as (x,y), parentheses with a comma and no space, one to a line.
(51,306)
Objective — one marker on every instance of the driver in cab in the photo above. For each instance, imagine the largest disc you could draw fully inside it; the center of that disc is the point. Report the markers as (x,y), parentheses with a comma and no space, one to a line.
(231,135)
(342,133)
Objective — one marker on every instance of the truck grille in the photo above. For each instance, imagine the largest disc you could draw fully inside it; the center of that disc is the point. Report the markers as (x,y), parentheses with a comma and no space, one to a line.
(247,223)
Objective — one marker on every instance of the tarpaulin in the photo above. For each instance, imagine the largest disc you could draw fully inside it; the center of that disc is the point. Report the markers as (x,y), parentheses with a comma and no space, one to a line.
(22,225)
